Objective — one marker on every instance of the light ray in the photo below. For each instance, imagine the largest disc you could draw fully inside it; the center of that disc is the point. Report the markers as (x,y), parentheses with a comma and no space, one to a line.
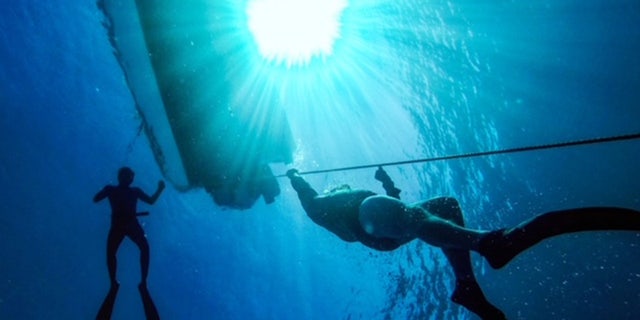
(294,31)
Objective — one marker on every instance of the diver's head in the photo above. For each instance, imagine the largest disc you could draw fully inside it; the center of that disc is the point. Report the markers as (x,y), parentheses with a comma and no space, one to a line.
(125,176)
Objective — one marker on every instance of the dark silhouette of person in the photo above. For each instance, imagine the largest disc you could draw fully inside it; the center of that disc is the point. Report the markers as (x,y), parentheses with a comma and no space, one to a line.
(124,222)
(384,223)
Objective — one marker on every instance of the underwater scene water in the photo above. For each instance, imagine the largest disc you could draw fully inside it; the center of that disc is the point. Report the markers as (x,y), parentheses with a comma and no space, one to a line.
(402,80)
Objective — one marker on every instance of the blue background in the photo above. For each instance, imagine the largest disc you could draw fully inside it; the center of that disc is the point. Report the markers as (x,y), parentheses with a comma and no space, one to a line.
(442,77)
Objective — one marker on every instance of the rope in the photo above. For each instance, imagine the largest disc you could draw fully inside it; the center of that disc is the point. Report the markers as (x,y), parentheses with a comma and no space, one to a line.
(483,153)
(133,141)
(135,138)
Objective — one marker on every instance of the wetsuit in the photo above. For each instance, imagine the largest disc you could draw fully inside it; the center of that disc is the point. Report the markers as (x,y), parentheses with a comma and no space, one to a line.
(123,201)
(338,212)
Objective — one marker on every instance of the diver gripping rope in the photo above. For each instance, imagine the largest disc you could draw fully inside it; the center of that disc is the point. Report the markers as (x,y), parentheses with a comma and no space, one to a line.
(483,153)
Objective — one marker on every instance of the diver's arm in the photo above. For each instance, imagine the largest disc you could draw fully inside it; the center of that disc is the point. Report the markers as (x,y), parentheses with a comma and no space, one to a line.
(305,192)
(302,187)
(387,184)
(151,200)
(102,194)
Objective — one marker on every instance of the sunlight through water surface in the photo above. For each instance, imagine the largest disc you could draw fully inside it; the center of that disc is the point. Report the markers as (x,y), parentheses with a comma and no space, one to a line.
(294,31)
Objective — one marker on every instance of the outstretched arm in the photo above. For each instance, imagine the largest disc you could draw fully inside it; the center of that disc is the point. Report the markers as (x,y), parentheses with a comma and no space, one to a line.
(387,184)
(101,194)
(151,200)
(305,192)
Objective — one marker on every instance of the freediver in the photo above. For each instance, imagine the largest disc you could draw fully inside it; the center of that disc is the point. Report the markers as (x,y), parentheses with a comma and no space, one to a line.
(385,223)
(124,222)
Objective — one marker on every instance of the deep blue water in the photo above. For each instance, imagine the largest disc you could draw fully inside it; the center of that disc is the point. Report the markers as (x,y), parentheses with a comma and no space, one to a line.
(440,78)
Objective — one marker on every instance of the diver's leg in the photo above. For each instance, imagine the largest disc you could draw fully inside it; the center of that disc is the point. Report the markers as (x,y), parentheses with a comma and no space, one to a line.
(387,217)
(444,226)
(140,239)
(500,246)
(113,242)
(446,234)
(467,292)
(446,208)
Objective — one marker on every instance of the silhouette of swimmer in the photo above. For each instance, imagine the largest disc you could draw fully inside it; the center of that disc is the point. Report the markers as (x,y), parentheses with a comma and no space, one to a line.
(385,223)
(124,222)
(123,200)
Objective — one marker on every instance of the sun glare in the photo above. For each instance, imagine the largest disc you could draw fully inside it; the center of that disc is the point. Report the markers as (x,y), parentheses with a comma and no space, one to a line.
(293,32)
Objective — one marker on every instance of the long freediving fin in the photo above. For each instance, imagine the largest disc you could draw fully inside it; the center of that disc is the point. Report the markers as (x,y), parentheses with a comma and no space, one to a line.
(500,246)
(150,310)
(107,305)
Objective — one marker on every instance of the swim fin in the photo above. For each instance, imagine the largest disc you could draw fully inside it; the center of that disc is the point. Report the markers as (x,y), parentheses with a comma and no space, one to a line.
(501,246)
(107,305)
(469,295)
(150,310)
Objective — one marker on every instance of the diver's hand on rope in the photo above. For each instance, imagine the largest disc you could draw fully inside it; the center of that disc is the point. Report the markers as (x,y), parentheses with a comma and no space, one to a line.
(292,173)
(387,183)
(382,176)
